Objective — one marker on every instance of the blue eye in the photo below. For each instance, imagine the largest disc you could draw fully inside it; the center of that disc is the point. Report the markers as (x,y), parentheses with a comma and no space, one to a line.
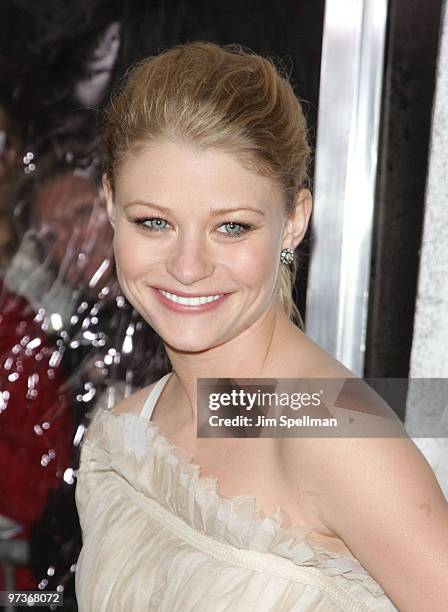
(156,224)
(243,228)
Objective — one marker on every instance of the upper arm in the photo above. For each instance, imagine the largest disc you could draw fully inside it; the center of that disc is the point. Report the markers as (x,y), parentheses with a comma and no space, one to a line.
(381,497)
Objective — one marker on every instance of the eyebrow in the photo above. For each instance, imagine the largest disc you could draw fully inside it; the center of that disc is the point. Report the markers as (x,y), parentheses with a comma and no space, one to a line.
(214,212)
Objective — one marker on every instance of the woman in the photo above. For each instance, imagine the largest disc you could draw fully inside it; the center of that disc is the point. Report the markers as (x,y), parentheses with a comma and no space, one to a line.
(206,173)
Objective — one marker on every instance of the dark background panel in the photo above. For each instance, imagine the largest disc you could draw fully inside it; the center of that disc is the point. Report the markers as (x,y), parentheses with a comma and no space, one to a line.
(410,68)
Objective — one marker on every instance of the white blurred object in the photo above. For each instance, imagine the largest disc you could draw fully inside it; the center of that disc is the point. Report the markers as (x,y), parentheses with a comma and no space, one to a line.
(90,90)
(110,397)
(33,279)
(351,80)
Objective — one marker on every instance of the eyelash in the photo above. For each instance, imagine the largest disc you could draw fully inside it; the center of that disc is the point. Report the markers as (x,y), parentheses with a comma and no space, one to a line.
(246,227)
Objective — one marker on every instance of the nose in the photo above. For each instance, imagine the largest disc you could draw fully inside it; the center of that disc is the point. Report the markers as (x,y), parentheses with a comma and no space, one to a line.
(190,260)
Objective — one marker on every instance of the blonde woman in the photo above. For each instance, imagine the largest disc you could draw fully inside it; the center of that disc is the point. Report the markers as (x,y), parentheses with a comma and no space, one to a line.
(206,184)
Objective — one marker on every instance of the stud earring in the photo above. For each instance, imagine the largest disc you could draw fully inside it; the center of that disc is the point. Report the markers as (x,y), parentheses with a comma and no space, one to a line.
(287,256)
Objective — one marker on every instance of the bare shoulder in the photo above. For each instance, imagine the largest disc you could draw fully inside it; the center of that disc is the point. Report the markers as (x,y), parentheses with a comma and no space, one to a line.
(310,465)
(133,403)
(303,459)
(397,526)
(312,360)
(397,523)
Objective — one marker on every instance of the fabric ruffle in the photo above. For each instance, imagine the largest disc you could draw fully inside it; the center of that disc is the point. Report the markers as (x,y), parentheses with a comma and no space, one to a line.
(136,449)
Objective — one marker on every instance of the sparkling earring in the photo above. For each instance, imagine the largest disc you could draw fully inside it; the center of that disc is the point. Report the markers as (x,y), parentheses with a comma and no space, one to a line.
(287,256)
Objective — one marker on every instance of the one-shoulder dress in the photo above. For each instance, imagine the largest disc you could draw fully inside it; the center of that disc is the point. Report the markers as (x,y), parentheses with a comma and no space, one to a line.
(156,536)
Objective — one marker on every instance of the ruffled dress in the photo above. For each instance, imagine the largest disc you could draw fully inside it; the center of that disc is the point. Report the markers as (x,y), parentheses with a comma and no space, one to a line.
(158,537)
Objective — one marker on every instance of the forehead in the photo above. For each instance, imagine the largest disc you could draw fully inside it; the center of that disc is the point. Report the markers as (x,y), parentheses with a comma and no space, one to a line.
(167,170)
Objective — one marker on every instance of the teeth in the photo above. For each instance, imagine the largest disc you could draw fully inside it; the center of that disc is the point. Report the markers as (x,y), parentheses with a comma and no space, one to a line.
(195,301)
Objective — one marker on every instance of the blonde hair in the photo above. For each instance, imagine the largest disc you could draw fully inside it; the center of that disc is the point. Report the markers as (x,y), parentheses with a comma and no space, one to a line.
(225,97)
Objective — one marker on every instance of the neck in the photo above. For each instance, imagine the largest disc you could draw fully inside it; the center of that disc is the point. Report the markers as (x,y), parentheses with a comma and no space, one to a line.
(255,353)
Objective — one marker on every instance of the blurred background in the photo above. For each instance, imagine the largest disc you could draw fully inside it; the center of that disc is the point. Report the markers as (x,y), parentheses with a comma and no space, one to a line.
(372,76)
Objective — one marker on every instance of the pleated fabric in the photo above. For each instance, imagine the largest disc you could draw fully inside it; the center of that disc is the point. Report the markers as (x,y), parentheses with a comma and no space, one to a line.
(158,537)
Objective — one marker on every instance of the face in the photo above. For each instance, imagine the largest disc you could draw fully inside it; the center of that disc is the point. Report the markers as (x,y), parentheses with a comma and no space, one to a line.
(172,234)
(72,221)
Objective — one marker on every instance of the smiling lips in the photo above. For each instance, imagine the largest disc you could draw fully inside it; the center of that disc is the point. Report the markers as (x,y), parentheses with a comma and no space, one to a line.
(181,303)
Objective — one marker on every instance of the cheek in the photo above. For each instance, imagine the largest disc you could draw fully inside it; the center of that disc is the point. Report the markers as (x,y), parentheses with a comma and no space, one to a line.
(256,264)
(130,260)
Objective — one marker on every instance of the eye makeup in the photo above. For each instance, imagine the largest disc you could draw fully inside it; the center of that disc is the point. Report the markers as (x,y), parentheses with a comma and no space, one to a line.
(244,227)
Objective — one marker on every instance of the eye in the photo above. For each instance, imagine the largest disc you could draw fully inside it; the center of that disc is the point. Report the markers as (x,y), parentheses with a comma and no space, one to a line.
(236,229)
(156,224)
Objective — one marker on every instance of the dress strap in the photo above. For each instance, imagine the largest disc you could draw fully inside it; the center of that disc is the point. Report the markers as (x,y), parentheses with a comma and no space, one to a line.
(151,400)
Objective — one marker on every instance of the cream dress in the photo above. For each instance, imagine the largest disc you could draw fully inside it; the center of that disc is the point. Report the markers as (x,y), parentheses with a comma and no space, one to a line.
(158,537)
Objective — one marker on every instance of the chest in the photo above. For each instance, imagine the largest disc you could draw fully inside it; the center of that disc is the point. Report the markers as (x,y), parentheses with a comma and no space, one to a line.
(252,466)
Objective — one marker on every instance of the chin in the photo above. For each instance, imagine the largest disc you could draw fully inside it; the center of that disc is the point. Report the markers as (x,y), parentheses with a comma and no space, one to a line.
(182,346)
(191,341)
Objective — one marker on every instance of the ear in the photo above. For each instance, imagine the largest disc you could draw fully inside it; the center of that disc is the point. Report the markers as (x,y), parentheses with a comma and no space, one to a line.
(111,211)
(297,222)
